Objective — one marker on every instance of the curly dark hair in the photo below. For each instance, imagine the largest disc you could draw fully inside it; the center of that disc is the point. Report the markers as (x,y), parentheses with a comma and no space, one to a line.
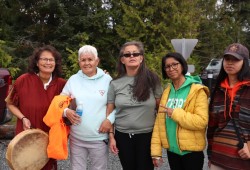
(144,80)
(33,59)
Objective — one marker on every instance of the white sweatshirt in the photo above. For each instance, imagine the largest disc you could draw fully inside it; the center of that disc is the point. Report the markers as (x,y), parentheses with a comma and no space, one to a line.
(92,92)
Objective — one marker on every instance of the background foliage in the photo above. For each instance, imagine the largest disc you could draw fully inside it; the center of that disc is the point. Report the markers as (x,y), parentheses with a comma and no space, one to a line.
(107,24)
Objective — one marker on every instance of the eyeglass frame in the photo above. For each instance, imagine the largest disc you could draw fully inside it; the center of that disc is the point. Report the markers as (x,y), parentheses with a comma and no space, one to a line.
(45,60)
(174,66)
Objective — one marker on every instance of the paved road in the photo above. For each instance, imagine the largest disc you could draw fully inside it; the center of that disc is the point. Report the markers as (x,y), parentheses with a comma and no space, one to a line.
(114,162)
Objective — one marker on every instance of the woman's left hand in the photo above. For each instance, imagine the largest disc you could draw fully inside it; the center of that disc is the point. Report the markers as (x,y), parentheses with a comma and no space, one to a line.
(157,161)
(167,110)
(244,152)
(112,146)
(26,123)
(105,126)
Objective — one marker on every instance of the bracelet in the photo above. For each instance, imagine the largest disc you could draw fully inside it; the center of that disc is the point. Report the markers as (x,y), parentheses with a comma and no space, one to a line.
(112,132)
(23,118)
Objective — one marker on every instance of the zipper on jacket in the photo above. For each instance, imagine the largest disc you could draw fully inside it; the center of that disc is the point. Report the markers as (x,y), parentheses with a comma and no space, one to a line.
(177,130)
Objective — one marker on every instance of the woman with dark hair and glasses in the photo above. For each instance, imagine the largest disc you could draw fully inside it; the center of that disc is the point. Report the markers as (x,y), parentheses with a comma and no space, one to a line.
(182,118)
(229,113)
(33,92)
(135,93)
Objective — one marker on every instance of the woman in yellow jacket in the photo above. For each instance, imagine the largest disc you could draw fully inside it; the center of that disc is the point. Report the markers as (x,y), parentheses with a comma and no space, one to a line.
(182,118)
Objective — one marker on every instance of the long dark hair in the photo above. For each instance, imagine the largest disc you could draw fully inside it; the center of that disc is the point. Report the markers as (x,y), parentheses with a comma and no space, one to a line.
(243,74)
(33,59)
(145,80)
(178,57)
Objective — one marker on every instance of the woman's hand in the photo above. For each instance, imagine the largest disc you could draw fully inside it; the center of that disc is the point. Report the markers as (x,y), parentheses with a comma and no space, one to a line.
(167,110)
(105,126)
(26,123)
(157,161)
(244,152)
(74,118)
(209,164)
(106,72)
(112,145)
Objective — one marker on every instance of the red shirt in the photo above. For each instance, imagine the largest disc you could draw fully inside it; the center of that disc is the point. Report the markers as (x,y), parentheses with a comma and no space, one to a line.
(29,95)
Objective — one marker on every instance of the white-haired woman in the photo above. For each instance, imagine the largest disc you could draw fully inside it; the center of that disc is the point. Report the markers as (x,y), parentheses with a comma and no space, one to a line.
(88,86)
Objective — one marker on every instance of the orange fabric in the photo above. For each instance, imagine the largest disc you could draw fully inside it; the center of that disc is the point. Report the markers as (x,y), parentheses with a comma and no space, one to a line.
(58,134)
(231,92)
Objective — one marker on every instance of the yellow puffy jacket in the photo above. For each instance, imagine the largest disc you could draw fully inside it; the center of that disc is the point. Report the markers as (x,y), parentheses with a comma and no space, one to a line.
(191,120)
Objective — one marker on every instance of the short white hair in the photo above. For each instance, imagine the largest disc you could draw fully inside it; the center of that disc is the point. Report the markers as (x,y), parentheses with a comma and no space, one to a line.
(87,49)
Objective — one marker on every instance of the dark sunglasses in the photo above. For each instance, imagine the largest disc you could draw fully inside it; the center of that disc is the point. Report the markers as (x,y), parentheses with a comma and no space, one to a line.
(129,55)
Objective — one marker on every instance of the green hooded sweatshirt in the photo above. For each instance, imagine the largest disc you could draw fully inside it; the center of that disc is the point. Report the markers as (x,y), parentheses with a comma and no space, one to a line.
(177,99)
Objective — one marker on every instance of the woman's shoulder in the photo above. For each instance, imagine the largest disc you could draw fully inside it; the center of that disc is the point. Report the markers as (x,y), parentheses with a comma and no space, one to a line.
(199,87)
(74,76)
(26,76)
(123,79)
(61,80)
(107,76)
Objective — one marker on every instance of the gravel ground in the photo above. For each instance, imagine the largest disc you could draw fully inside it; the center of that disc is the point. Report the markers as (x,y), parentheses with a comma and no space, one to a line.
(114,162)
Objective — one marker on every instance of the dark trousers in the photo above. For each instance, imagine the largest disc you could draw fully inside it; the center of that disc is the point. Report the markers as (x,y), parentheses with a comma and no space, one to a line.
(134,150)
(190,161)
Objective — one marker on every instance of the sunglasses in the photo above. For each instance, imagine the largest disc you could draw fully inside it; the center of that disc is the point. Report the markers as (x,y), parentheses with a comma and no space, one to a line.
(131,54)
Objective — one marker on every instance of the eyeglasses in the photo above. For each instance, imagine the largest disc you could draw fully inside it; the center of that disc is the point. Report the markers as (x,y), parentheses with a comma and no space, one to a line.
(129,54)
(174,66)
(45,60)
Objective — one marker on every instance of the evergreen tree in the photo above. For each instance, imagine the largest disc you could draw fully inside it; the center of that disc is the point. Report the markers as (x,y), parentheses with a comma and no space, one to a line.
(156,22)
